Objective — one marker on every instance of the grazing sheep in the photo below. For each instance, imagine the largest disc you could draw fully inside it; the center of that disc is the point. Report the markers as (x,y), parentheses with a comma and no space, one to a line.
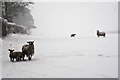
(100,33)
(72,35)
(15,55)
(28,50)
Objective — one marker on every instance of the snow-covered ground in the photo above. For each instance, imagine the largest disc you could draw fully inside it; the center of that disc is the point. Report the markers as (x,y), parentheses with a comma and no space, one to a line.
(57,55)
(63,57)
(0,58)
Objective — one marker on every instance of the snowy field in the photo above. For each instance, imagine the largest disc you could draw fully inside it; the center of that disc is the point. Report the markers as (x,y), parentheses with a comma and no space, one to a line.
(63,57)
(57,55)
(0,58)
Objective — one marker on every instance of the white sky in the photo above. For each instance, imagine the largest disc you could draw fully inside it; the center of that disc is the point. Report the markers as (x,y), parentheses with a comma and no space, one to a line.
(74,0)
(62,18)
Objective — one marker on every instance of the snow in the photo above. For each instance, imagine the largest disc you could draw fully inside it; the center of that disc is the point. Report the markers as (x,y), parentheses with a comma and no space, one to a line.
(57,55)
(0,58)
(63,57)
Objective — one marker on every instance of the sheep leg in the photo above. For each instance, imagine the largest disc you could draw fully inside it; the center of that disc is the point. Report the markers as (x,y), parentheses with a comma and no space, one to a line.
(10,59)
(104,35)
(23,57)
(31,55)
(20,58)
(17,59)
(13,60)
(29,58)
(98,35)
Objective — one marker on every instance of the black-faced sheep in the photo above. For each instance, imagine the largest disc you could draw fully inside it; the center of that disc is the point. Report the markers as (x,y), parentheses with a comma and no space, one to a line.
(15,55)
(28,50)
(72,35)
(100,33)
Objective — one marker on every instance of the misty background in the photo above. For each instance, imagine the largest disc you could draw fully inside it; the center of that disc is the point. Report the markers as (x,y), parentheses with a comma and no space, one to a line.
(66,57)
(64,18)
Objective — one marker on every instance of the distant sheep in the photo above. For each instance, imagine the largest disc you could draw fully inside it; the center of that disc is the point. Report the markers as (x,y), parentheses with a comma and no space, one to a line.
(72,35)
(15,55)
(28,50)
(100,33)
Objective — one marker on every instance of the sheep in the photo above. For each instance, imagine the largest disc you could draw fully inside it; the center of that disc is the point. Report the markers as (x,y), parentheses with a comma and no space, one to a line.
(72,35)
(28,50)
(101,33)
(15,55)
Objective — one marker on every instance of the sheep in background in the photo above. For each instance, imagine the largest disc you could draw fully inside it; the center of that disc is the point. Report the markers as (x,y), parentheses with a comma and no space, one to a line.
(100,33)
(72,35)
(28,50)
(15,55)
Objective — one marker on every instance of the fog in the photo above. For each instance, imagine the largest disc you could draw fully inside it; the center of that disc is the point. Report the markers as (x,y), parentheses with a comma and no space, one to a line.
(67,57)
(82,18)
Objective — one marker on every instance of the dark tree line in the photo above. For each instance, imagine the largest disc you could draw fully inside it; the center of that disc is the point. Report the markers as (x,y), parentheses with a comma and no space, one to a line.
(9,10)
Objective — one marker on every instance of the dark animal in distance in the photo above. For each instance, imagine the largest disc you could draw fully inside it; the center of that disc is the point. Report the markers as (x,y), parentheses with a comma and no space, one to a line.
(15,55)
(72,35)
(100,33)
(28,50)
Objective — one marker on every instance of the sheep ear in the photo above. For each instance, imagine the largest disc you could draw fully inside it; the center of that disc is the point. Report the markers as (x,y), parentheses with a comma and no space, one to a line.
(8,49)
(28,42)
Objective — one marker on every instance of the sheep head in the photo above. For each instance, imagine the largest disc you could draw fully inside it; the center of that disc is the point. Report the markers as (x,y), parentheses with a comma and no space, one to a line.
(11,51)
(30,42)
(97,30)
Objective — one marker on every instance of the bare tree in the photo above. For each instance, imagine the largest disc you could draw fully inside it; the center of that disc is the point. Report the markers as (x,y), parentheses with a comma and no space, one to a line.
(10,9)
